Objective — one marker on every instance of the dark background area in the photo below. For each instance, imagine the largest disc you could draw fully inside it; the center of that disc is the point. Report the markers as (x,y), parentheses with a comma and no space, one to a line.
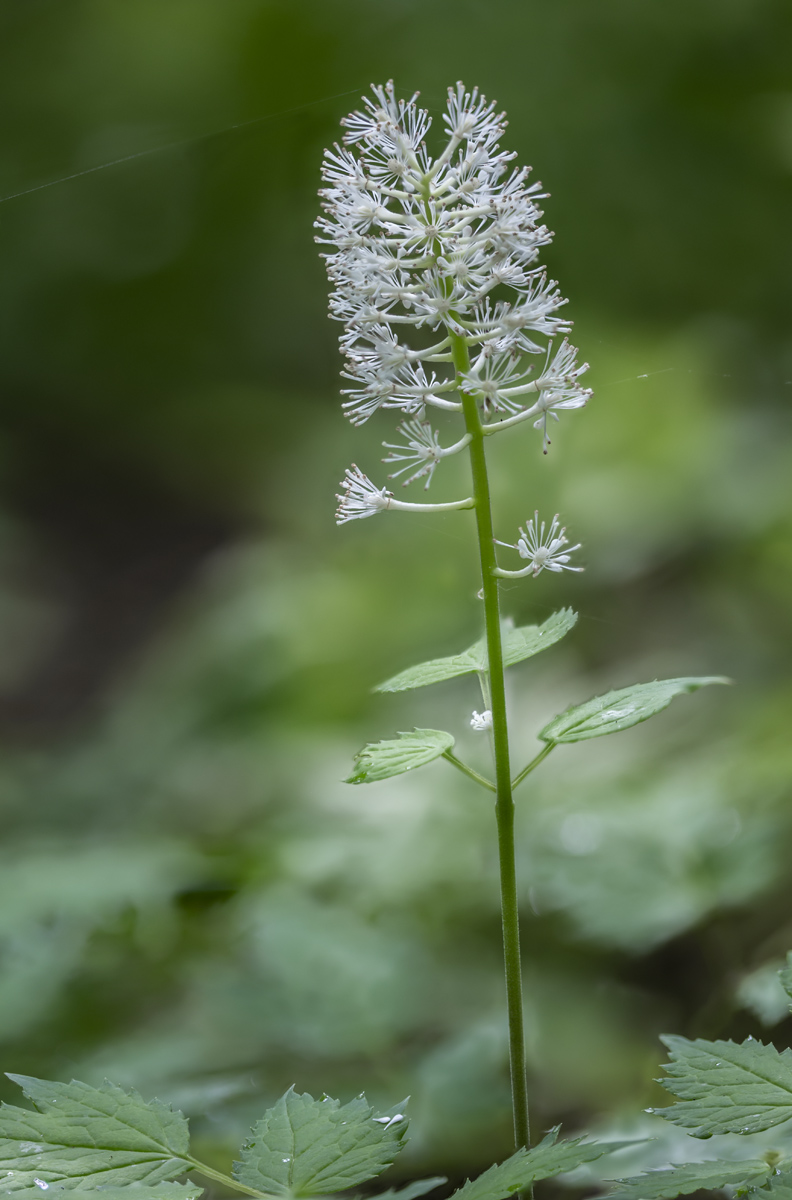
(191,900)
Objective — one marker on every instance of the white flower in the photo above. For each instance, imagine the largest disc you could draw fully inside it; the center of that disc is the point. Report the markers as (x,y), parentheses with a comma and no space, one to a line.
(418,243)
(422,447)
(558,387)
(481,721)
(544,550)
(360,497)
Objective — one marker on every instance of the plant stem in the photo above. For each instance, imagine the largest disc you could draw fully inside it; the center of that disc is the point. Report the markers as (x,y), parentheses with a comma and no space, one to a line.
(504,804)
(541,756)
(466,770)
(228,1180)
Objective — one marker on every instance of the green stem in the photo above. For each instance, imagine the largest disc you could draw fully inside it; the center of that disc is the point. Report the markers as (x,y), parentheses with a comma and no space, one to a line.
(541,756)
(466,770)
(228,1180)
(504,804)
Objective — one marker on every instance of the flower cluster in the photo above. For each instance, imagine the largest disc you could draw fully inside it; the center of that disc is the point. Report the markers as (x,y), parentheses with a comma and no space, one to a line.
(427,254)
(439,245)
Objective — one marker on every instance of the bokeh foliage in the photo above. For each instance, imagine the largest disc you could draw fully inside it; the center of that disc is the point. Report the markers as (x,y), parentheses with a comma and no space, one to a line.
(191,900)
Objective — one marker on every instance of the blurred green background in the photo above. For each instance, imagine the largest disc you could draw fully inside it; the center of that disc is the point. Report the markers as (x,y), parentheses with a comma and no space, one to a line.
(191,900)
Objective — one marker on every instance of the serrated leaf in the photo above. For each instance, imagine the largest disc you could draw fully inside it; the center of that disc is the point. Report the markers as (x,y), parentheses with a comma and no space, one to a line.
(544,1161)
(134,1191)
(778,1187)
(518,644)
(528,640)
(307,1147)
(621,709)
(382,760)
(434,671)
(418,1188)
(89,1137)
(726,1087)
(690,1177)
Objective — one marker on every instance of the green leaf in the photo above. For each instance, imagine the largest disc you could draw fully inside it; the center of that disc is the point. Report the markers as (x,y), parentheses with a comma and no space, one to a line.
(307,1147)
(517,645)
(434,671)
(691,1177)
(785,975)
(528,640)
(621,709)
(134,1191)
(725,1087)
(89,1136)
(778,1187)
(381,760)
(419,1188)
(547,1159)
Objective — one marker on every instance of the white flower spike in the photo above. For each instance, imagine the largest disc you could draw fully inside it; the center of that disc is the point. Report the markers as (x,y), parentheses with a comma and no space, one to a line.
(448,245)
(481,721)
(544,549)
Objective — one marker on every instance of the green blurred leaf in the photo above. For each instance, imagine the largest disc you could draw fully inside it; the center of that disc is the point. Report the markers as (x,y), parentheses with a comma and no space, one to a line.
(133,1191)
(544,1161)
(785,976)
(381,760)
(517,644)
(726,1087)
(691,1177)
(90,1135)
(307,1147)
(419,1188)
(778,1187)
(762,992)
(621,709)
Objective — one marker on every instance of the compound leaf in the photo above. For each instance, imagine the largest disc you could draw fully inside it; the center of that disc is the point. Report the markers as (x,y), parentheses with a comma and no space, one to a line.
(726,1087)
(89,1136)
(517,644)
(307,1147)
(621,709)
(381,760)
(691,1177)
(544,1161)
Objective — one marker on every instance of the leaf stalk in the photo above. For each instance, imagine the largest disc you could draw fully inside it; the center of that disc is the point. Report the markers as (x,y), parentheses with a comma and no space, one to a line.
(466,770)
(533,764)
(229,1181)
